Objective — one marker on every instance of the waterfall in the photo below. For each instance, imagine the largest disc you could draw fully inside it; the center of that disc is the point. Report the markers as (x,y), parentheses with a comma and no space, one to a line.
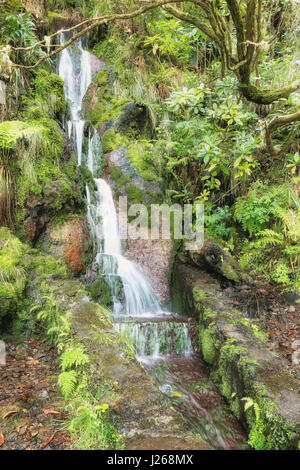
(139,299)
(162,340)
(157,339)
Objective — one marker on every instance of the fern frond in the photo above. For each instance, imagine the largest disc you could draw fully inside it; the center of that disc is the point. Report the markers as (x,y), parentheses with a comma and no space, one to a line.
(268,237)
(67,382)
(75,357)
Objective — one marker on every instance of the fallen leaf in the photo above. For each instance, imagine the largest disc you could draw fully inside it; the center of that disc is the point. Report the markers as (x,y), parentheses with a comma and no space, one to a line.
(51,412)
(1,439)
(33,362)
(45,443)
(60,438)
(9,413)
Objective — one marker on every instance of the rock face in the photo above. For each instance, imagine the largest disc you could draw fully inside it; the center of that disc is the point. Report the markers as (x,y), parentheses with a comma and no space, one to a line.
(69,240)
(139,410)
(150,191)
(212,258)
(135,117)
(36,219)
(242,365)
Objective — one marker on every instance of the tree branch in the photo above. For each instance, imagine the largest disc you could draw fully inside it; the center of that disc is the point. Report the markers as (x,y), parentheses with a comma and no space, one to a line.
(277,122)
(95,23)
(264,96)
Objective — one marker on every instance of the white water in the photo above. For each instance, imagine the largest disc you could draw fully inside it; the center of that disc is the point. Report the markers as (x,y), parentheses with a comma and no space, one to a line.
(139,299)
(156,340)
(76,84)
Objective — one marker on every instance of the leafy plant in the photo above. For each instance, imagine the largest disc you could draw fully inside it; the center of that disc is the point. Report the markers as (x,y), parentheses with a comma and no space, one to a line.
(217,223)
(75,357)
(293,162)
(17,28)
(67,382)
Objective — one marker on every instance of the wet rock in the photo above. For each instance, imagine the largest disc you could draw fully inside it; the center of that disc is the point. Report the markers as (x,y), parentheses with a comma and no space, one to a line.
(137,406)
(36,219)
(151,190)
(135,116)
(68,240)
(212,258)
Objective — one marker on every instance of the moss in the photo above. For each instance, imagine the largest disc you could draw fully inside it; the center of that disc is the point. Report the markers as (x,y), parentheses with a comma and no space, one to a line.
(229,272)
(49,88)
(115,173)
(268,431)
(102,77)
(208,342)
(48,266)
(108,106)
(100,291)
(138,157)
(199,297)
(34,150)
(135,195)
(112,140)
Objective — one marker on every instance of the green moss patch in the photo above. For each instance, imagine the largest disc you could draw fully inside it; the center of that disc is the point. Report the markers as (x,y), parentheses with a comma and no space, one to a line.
(100,291)
(111,140)
(140,160)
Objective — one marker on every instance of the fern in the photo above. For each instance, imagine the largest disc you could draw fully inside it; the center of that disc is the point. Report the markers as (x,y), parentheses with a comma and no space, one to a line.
(268,237)
(75,357)
(67,382)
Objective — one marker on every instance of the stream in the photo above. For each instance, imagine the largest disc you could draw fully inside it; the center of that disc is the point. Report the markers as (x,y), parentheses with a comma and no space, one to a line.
(162,340)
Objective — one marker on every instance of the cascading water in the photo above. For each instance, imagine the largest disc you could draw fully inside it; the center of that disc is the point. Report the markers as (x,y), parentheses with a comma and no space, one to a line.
(162,341)
(76,82)
(75,69)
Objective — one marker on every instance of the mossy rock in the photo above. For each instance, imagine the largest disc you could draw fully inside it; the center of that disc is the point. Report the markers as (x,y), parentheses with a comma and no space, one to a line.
(214,259)
(257,384)
(112,141)
(99,291)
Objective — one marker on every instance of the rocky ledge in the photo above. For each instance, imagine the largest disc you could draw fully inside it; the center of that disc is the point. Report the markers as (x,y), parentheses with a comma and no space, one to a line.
(259,387)
(137,408)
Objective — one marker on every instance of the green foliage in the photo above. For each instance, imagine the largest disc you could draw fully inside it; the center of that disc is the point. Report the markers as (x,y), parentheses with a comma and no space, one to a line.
(218,223)
(271,215)
(13,277)
(267,430)
(90,427)
(100,291)
(112,140)
(49,94)
(207,142)
(135,195)
(64,4)
(17,27)
(67,382)
(74,358)
(141,158)
(187,100)
(172,38)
